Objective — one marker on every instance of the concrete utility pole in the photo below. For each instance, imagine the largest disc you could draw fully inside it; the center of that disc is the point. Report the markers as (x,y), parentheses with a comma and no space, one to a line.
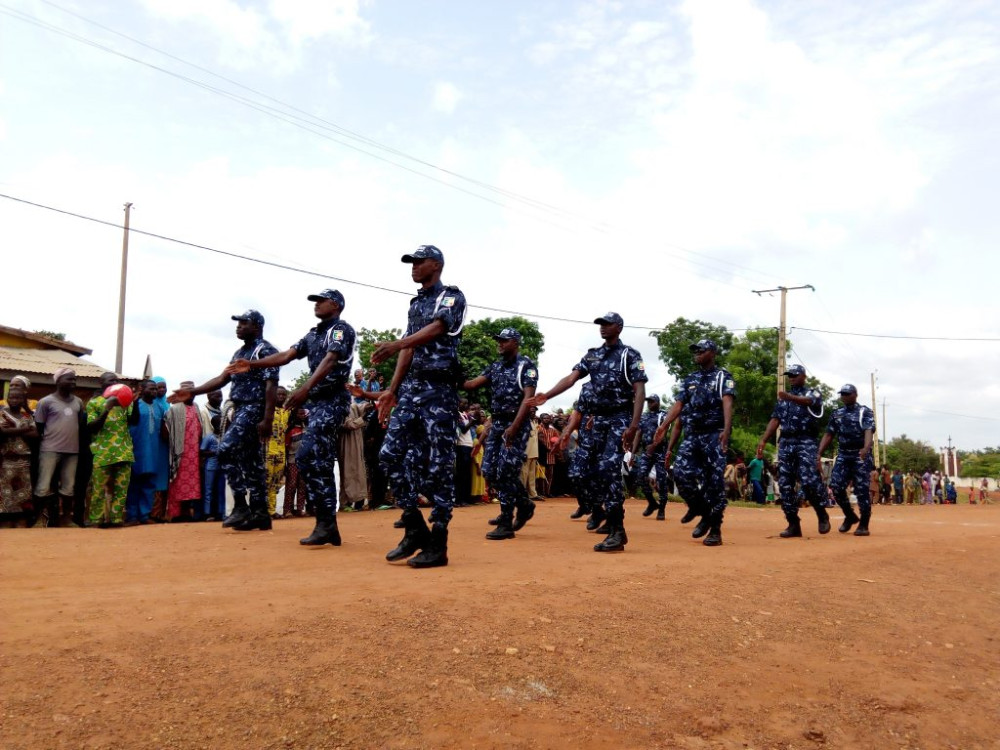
(781,328)
(875,437)
(121,294)
(885,434)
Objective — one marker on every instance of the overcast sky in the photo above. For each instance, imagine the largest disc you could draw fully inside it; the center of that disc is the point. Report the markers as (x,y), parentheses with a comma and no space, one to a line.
(658,159)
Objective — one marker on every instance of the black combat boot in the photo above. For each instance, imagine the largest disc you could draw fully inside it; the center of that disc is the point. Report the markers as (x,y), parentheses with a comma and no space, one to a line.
(694,510)
(651,506)
(850,517)
(794,527)
(702,527)
(525,510)
(505,526)
(241,511)
(257,518)
(435,553)
(616,538)
(495,521)
(661,509)
(714,538)
(823,516)
(325,531)
(596,517)
(581,510)
(400,523)
(416,537)
(862,529)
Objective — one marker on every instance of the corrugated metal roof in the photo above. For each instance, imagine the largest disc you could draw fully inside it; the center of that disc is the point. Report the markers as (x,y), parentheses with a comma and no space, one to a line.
(46,362)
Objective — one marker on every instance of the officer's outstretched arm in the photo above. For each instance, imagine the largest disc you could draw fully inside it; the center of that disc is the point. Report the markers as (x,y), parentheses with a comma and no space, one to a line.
(563,385)
(475,383)
(661,431)
(425,335)
(272,360)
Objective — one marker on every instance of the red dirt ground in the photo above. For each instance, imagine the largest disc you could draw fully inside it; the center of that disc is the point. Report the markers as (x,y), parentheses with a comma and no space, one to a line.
(188,636)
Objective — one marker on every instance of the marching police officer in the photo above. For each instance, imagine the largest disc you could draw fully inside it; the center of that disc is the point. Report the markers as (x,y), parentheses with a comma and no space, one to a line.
(650,458)
(241,452)
(797,412)
(854,426)
(329,349)
(581,466)
(619,380)
(513,378)
(705,407)
(424,391)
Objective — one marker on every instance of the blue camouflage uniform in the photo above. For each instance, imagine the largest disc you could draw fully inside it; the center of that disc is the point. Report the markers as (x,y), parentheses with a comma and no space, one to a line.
(848,424)
(581,467)
(328,405)
(613,370)
(418,453)
(241,452)
(700,466)
(798,448)
(648,422)
(502,463)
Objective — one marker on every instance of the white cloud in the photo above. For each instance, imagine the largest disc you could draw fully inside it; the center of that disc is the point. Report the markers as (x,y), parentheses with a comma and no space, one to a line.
(446,97)
(313,19)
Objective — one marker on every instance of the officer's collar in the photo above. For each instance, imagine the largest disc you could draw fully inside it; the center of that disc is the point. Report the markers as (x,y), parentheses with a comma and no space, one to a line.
(434,288)
(324,324)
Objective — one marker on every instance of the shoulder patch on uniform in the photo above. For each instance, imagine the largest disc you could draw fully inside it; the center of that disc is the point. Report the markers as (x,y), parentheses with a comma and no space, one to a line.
(640,364)
(448,302)
(730,383)
(531,373)
(338,335)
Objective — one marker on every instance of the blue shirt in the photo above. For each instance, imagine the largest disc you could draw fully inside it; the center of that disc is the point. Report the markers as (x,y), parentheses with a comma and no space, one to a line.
(334,335)
(798,421)
(438,358)
(508,380)
(849,424)
(612,371)
(648,423)
(249,387)
(210,443)
(701,393)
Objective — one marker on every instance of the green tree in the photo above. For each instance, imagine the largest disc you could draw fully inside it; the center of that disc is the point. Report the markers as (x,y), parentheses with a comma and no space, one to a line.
(368,339)
(911,455)
(478,347)
(52,335)
(675,339)
(984,463)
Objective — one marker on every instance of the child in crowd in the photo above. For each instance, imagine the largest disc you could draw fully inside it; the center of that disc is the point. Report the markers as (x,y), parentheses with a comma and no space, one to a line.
(213,478)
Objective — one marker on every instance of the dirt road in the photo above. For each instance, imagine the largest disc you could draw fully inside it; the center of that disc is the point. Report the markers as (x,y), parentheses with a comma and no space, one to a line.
(188,636)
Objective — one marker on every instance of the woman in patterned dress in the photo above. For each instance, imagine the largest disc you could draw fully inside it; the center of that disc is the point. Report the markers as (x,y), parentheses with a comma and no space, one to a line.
(17,425)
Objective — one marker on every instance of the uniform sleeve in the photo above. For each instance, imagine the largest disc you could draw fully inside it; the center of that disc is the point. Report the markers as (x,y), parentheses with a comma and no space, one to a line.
(636,367)
(487,373)
(776,412)
(341,341)
(683,395)
(451,310)
(582,367)
(301,347)
(728,384)
(269,373)
(867,419)
(529,376)
(831,428)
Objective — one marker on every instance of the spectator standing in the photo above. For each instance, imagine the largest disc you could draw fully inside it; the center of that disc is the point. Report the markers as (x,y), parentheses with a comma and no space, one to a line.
(351,458)
(111,446)
(275,460)
(529,471)
(213,478)
(465,437)
(145,428)
(296,500)
(183,428)
(755,471)
(58,418)
(897,486)
(17,427)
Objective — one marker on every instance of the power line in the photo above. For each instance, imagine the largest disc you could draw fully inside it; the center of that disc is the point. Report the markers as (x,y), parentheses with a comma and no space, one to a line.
(891,336)
(296,269)
(309,122)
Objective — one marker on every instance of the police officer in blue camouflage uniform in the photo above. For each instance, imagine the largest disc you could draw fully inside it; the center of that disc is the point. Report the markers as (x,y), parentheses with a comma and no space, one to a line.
(853,424)
(243,446)
(329,349)
(418,453)
(797,412)
(705,407)
(513,379)
(582,464)
(618,392)
(650,458)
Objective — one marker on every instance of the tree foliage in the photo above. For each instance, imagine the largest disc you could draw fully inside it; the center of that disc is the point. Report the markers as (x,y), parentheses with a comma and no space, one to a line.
(52,335)
(368,339)
(911,455)
(984,463)
(478,347)
(677,336)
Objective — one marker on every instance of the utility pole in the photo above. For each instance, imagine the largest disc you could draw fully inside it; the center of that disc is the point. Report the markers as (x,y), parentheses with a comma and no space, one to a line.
(781,328)
(875,437)
(121,294)
(885,434)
